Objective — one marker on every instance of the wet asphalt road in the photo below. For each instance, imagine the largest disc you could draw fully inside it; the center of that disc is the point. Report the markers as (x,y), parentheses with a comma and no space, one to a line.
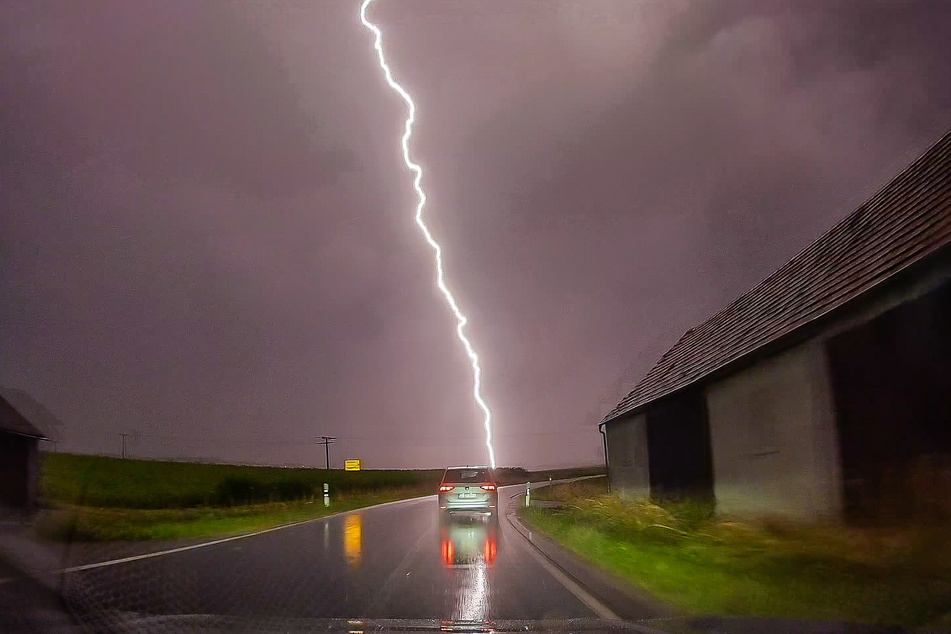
(393,561)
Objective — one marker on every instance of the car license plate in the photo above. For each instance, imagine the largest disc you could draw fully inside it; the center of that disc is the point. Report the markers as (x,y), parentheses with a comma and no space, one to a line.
(467,496)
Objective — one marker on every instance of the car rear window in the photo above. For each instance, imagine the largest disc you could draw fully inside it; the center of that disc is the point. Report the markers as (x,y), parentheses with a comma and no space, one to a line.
(467,475)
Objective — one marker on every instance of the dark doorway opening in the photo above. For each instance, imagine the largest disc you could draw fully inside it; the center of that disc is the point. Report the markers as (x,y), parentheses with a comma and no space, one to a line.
(678,440)
(892,383)
(16,453)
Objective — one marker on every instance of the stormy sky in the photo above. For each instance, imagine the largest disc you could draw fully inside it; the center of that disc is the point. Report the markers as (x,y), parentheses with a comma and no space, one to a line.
(207,235)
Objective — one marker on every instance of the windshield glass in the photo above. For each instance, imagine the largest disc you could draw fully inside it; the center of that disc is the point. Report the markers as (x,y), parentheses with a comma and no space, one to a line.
(467,475)
(513,314)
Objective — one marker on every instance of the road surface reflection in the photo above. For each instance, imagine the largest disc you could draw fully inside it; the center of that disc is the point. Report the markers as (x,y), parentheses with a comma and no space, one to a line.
(465,543)
(469,547)
(353,539)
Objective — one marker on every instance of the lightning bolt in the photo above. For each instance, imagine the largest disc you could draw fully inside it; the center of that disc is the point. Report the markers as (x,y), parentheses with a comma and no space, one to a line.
(461,319)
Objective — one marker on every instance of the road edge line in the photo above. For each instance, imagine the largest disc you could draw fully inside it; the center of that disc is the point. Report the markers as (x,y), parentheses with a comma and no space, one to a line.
(223,540)
(601,611)
(554,566)
(570,584)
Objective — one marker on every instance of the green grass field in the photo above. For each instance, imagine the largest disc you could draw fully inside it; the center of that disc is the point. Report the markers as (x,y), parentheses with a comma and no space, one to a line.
(81,523)
(687,556)
(152,484)
(95,498)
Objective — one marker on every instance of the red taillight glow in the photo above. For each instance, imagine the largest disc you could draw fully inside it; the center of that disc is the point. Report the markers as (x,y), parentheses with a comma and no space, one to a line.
(448,552)
(488,487)
(489,549)
(446,487)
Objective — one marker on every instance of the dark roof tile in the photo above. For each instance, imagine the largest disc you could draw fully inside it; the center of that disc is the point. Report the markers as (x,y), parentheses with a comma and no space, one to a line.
(12,421)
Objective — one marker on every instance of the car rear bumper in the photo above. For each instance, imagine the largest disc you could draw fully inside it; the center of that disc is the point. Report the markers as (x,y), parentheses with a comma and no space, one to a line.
(463,505)
(472,508)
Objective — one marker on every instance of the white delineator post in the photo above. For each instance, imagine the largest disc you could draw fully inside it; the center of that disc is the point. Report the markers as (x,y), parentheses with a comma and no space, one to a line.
(326,494)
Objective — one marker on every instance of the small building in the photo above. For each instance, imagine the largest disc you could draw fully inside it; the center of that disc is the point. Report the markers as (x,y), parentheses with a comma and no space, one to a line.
(19,459)
(824,391)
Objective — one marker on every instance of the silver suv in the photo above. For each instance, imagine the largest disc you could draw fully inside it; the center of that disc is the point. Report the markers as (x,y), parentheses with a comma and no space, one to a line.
(468,489)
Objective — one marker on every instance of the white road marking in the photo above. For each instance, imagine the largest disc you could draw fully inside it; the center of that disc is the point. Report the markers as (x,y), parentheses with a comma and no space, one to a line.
(160,553)
(172,551)
(601,610)
(583,595)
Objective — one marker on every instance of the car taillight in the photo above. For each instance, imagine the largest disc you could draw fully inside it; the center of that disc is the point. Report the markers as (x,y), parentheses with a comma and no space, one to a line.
(446,487)
(488,487)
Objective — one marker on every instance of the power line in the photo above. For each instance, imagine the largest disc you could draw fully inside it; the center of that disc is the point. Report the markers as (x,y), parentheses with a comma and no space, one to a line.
(326,441)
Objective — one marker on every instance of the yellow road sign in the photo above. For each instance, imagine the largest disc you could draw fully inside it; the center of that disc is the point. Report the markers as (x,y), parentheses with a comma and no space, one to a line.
(352,465)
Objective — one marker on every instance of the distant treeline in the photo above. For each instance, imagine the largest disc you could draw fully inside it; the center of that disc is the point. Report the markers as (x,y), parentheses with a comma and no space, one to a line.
(153,484)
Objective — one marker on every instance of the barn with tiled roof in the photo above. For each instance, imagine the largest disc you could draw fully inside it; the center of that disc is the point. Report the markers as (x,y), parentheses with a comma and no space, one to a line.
(824,390)
(19,461)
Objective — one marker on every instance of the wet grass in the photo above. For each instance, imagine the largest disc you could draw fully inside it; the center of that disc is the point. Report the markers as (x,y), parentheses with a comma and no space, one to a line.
(106,482)
(570,491)
(153,484)
(96,498)
(91,524)
(683,553)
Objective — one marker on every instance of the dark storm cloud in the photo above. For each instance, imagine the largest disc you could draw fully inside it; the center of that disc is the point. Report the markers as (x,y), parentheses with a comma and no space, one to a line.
(168,90)
(697,147)
(207,235)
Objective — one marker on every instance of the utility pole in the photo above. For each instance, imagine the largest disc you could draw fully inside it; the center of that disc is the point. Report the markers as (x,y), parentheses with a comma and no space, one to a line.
(326,441)
(124,436)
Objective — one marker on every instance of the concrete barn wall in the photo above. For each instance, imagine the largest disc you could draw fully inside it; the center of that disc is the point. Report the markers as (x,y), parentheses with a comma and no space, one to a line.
(628,467)
(773,438)
(32,473)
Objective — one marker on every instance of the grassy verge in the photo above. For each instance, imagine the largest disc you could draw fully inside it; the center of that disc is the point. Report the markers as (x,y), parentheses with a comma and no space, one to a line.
(78,523)
(105,482)
(570,491)
(97,498)
(154,484)
(705,565)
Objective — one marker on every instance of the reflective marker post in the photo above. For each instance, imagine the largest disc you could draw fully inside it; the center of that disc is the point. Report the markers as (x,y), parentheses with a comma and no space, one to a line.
(326,494)
(528,493)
